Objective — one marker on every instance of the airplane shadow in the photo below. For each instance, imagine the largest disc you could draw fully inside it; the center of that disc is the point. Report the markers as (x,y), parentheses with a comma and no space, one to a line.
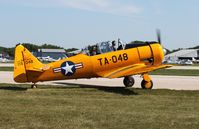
(117,90)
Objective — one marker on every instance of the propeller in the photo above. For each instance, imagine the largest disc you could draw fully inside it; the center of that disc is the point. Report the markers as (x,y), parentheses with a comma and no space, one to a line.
(159,40)
(158,36)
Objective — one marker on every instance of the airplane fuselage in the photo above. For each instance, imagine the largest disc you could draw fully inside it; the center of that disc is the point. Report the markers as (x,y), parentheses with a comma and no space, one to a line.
(83,66)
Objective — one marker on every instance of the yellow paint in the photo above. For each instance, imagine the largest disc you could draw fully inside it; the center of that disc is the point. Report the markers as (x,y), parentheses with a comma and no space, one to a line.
(146,77)
(148,85)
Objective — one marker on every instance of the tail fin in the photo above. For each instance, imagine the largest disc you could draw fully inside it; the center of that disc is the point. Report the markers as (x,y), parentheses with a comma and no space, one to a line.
(24,61)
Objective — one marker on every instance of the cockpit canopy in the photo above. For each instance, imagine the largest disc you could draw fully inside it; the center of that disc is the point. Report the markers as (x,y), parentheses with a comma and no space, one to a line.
(109,46)
(103,47)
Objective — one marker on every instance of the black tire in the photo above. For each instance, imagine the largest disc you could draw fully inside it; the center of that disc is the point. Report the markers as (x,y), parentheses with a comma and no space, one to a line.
(128,81)
(147,85)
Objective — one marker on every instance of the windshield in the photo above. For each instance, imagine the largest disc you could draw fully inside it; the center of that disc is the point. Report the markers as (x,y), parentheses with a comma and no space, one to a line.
(104,47)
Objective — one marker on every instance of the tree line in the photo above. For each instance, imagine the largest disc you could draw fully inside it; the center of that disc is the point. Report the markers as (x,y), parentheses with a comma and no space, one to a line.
(33,48)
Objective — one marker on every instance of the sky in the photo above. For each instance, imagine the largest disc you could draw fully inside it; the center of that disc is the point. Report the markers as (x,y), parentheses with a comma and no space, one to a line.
(77,23)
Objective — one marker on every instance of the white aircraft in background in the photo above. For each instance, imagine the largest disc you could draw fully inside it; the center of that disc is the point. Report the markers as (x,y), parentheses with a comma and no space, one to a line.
(194,60)
(185,62)
(48,59)
(4,60)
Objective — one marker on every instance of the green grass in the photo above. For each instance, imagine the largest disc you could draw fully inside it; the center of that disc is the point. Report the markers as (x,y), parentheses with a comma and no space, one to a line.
(6,68)
(195,65)
(176,72)
(74,107)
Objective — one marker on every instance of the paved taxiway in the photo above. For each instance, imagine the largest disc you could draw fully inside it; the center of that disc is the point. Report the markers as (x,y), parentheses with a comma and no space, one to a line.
(184,67)
(160,82)
(6,64)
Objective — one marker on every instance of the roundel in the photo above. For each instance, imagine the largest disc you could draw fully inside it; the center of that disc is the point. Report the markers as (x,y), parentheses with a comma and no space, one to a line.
(68,68)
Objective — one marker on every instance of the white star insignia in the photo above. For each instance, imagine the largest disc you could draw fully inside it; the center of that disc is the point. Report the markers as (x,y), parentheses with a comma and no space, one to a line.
(68,68)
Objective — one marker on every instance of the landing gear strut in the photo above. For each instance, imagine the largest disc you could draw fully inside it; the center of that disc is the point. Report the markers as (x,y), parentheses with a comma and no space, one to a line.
(128,81)
(146,83)
(34,86)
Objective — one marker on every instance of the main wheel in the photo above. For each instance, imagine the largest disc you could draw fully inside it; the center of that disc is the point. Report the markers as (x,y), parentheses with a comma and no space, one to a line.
(128,81)
(147,85)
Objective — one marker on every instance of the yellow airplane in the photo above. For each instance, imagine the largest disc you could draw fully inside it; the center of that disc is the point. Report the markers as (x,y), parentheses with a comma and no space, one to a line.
(132,59)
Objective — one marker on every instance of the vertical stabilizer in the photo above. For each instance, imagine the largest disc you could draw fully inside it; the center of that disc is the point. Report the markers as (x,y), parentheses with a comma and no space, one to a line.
(24,61)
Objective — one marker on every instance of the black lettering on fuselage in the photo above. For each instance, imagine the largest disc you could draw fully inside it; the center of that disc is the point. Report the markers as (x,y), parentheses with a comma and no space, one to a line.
(106,61)
(113,59)
(100,60)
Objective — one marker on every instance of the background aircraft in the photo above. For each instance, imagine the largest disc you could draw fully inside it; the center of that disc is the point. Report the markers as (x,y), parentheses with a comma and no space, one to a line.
(195,61)
(4,60)
(105,62)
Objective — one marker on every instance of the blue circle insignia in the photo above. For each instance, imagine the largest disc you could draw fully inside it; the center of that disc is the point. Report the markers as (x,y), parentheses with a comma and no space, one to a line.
(68,68)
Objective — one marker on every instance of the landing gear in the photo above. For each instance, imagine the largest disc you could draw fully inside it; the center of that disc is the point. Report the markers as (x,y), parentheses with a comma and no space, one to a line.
(128,81)
(34,86)
(146,83)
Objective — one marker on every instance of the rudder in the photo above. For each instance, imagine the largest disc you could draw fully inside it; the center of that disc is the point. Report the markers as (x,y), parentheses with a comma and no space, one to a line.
(24,61)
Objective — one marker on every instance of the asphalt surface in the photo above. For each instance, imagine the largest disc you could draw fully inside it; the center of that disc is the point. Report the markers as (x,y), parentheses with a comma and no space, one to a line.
(6,64)
(160,82)
(184,67)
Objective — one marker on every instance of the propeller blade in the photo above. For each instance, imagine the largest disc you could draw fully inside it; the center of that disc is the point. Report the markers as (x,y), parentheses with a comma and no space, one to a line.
(159,40)
(158,36)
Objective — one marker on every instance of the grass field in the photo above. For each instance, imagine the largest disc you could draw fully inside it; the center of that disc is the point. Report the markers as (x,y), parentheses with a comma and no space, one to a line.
(176,72)
(74,107)
(6,68)
(195,65)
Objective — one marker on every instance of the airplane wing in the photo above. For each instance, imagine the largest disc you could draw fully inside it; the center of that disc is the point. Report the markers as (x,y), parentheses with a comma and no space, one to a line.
(132,70)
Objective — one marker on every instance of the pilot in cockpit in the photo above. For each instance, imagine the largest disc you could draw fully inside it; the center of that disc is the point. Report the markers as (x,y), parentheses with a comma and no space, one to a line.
(120,45)
(114,45)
